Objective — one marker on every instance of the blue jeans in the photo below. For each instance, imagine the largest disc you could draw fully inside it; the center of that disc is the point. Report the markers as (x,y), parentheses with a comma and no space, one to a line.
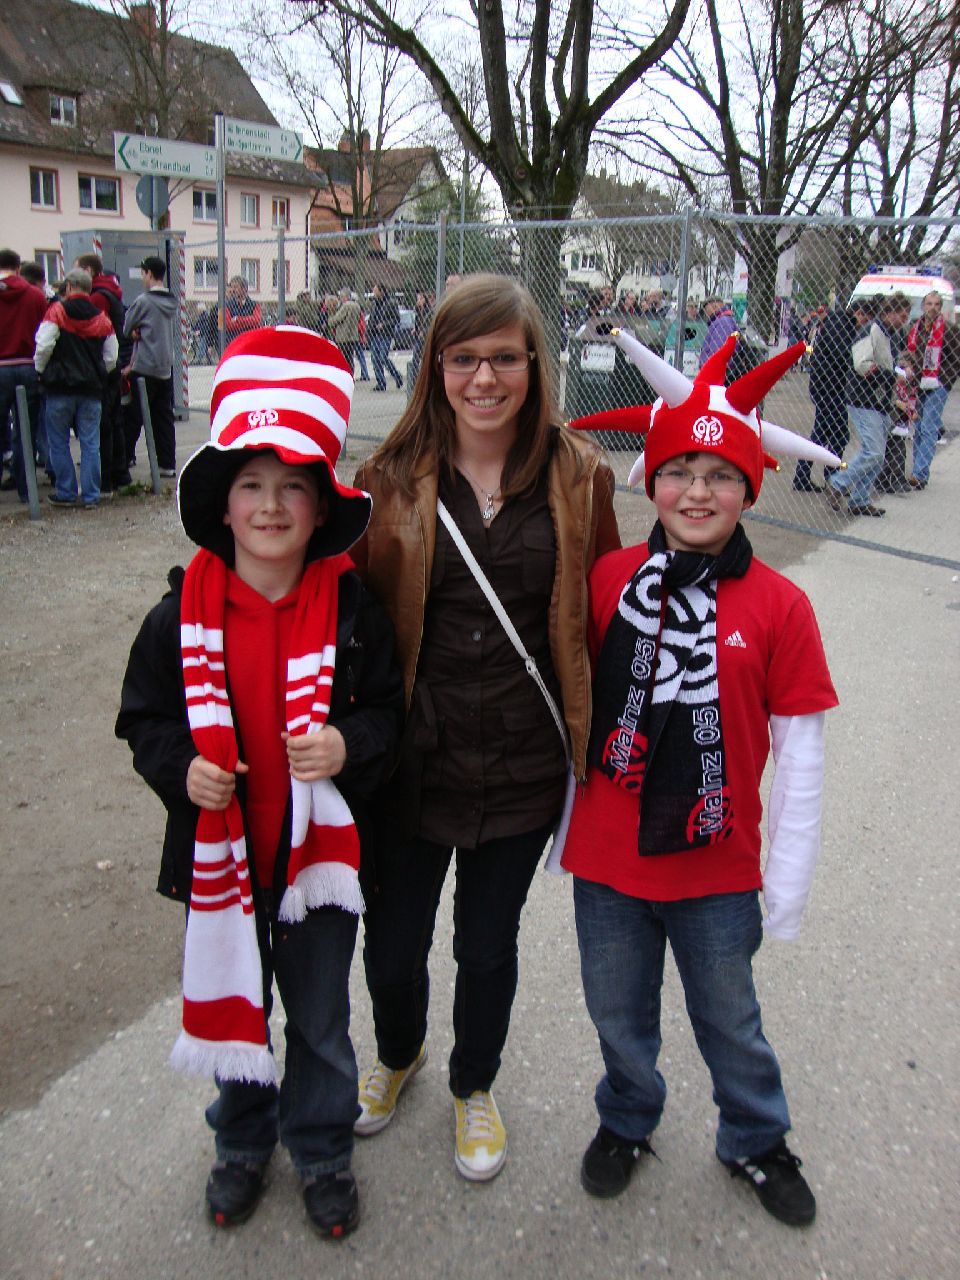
(492,885)
(927,431)
(313,1111)
(871,425)
(83,412)
(380,351)
(713,939)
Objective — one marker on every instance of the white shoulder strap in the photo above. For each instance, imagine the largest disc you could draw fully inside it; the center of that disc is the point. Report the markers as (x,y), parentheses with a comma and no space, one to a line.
(494,600)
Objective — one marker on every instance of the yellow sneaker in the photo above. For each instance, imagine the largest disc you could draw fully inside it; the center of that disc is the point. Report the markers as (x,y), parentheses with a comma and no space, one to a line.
(379,1091)
(481,1137)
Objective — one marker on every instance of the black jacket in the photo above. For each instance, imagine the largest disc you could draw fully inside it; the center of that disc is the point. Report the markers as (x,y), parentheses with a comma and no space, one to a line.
(830,367)
(366,706)
(384,318)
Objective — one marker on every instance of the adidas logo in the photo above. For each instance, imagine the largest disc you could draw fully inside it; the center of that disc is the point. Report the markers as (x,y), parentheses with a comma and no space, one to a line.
(736,641)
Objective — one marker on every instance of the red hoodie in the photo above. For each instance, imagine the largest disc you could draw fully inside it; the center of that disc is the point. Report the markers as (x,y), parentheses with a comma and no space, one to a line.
(22,307)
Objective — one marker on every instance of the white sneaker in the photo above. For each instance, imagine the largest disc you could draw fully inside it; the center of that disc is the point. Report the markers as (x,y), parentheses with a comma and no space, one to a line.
(379,1091)
(481,1138)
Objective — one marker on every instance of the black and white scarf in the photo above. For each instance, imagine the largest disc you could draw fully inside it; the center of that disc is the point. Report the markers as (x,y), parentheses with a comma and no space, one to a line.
(656,715)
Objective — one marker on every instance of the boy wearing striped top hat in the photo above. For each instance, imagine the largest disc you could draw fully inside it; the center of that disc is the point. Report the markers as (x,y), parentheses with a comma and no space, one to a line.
(262,702)
(702,654)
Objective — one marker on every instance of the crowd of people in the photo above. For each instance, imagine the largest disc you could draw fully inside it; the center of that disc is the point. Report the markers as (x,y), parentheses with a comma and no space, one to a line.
(375,331)
(76,352)
(890,378)
(357,690)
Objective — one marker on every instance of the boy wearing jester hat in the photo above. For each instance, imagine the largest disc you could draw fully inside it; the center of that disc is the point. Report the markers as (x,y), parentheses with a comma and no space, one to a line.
(701,655)
(262,702)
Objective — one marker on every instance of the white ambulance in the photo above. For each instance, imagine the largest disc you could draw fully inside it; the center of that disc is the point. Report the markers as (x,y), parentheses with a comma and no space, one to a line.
(915,282)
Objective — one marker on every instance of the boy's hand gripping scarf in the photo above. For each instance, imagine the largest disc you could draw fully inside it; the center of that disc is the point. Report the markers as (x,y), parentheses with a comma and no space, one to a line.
(656,712)
(224,1027)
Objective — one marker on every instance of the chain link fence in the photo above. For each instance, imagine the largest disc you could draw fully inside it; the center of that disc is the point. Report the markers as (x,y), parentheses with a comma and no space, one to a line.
(652,275)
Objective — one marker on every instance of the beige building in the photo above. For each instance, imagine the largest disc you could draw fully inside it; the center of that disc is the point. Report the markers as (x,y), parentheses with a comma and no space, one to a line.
(69,77)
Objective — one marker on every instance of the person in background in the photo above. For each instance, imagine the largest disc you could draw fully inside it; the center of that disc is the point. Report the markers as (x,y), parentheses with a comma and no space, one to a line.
(22,308)
(345,329)
(721,322)
(149,323)
(382,325)
(241,313)
(935,346)
(76,348)
(107,297)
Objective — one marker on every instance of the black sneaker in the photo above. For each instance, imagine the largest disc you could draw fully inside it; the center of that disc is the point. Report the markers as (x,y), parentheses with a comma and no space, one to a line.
(608,1162)
(781,1187)
(233,1190)
(332,1203)
(56,501)
(807,486)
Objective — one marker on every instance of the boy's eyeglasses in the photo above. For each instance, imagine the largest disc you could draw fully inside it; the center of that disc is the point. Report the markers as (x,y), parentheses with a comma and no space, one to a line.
(716,481)
(501,362)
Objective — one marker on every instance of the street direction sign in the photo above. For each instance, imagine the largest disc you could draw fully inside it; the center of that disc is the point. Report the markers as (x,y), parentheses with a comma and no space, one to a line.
(164,157)
(252,139)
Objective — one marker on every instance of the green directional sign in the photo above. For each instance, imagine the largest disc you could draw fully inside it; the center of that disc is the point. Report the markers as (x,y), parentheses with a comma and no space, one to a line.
(246,137)
(163,157)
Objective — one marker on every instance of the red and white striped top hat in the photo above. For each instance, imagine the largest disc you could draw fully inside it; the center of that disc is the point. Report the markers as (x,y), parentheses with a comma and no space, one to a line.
(285,389)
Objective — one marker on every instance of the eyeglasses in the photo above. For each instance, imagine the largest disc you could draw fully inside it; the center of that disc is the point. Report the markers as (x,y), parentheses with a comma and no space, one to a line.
(716,481)
(465,362)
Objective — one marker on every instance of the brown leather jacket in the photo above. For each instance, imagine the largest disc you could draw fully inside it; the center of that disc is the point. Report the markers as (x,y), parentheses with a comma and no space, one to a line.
(395,557)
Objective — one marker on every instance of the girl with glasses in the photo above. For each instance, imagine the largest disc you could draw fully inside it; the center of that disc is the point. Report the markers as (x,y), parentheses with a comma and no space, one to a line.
(482,767)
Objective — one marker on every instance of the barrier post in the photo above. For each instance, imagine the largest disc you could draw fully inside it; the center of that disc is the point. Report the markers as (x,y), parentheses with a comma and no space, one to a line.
(148,433)
(26,449)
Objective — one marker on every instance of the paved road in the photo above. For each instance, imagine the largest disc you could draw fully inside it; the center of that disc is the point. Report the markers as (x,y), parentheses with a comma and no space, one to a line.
(103,1179)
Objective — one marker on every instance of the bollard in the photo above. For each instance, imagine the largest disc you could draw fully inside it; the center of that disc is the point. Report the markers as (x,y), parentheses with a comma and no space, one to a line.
(26,447)
(148,433)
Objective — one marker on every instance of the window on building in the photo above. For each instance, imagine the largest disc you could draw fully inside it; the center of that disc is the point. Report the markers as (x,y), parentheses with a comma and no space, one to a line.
(280,213)
(250,271)
(249,210)
(286,274)
(398,233)
(99,194)
(63,110)
(43,188)
(574,261)
(205,273)
(204,205)
(51,262)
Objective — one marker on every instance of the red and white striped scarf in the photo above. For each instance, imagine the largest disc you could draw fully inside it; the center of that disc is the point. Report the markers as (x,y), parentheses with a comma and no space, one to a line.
(930,377)
(224,1027)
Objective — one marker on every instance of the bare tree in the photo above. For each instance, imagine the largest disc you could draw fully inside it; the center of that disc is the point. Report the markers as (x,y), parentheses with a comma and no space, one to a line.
(548,80)
(909,166)
(350,89)
(776,101)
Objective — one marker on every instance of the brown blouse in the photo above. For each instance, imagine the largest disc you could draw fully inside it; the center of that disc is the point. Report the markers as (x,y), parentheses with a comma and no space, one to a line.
(482,757)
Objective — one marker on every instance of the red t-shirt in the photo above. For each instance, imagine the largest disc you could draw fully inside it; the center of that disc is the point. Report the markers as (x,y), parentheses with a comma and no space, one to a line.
(256,636)
(770,661)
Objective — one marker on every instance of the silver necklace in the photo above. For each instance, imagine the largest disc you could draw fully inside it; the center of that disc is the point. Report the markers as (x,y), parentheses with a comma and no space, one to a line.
(488,510)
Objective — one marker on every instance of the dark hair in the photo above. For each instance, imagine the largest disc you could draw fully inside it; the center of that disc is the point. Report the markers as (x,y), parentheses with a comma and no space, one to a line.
(92,262)
(9,260)
(478,305)
(32,272)
(156,266)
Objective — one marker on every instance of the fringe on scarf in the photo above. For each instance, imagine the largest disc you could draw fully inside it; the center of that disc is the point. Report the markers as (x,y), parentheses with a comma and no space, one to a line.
(325,884)
(226,1059)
